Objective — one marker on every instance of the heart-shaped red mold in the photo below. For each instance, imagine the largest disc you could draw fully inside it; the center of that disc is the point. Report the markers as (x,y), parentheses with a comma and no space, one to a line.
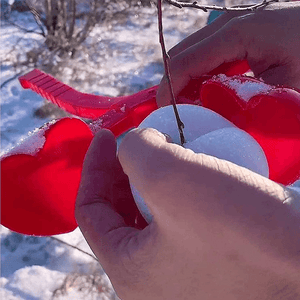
(38,191)
(270,114)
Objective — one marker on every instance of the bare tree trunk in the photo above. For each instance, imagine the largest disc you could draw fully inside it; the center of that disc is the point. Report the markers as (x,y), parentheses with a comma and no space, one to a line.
(73,17)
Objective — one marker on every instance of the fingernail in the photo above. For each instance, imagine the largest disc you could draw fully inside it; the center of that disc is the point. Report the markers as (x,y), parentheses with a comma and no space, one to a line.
(168,138)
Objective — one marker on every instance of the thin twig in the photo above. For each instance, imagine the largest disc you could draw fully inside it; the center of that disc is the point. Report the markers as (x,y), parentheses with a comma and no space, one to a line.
(11,79)
(37,17)
(74,247)
(220,8)
(166,60)
(22,28)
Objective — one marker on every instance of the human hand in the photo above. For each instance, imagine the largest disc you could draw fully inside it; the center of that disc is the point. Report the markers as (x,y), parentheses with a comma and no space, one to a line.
(219,231)
(268,38)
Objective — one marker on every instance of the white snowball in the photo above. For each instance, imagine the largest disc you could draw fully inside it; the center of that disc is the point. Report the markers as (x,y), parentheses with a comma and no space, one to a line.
(234,145)
(141,204)
(205,132)
(197,121)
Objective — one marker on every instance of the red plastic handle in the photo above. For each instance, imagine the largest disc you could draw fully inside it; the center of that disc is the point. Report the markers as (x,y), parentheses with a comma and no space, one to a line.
(92,106)
(81,104)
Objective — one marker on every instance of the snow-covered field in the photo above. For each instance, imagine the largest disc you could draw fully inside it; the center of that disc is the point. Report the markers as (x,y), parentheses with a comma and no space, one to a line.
(43,268)
(128,59)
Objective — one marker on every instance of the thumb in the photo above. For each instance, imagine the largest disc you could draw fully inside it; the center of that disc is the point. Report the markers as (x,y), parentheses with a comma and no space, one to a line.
(137,154)
(101,225)
(158,170)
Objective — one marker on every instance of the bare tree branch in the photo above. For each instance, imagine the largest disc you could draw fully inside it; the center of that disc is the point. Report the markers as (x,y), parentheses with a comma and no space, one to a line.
(24,29)
(37,17)
(74,247)
(82,35)
(11,79)
(166,60)
(48,8)
(220,8)
(64,15)
(73,17)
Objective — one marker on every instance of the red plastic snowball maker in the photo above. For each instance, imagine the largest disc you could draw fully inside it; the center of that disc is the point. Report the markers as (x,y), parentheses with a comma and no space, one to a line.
(39,186)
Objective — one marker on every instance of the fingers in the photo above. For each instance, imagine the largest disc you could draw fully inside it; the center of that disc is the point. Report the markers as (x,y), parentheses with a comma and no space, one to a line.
(95,214)
(287,75)
(183,188)
(176,182)
(272,54)
(205,32)
(225,45)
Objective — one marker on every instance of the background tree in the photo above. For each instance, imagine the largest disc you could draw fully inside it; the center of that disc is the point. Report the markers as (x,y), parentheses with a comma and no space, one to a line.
(66,24)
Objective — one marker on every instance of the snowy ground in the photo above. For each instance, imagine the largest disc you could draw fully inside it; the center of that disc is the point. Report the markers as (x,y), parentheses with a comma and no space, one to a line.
(128,59)
(42,268)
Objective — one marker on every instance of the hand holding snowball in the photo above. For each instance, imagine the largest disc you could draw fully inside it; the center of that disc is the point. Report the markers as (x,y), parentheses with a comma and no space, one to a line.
(209,133)
(219,231)
(268,38)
